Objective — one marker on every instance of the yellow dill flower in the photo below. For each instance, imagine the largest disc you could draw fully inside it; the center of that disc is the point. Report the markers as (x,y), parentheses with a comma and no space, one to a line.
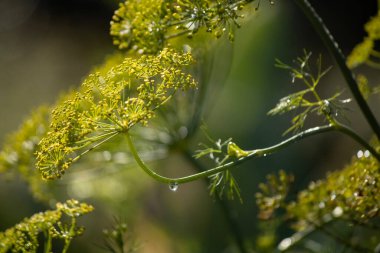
(146,25)
(109,104)
(25,236)
(361,53)
(372,27)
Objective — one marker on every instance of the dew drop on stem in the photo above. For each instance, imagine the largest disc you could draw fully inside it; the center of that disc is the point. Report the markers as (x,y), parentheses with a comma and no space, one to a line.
(173,187)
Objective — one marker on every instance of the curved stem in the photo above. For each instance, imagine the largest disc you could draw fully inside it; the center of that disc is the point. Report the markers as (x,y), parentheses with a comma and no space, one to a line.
(334,50)
(251,153)
(348,131)
(207,173)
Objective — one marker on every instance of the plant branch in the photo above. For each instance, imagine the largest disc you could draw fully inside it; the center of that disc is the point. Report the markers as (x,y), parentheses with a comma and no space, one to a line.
(251,153)
(207,173)
(335,51)
(348,131)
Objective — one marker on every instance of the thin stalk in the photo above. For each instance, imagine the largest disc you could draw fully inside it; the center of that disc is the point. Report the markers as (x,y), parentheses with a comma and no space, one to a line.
(71,232)
(47,248)
(207,173)
(251,153)
(335,51)
(348,131)
(230,219)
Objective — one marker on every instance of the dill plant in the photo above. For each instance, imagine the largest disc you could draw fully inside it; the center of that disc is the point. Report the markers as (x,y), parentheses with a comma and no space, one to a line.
(133,99)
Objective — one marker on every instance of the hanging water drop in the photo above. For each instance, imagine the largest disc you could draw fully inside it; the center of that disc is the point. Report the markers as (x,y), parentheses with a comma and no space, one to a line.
(173,187)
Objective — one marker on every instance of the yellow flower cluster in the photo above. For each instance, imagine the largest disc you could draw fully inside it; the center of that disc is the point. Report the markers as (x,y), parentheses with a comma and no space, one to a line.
(146,25)
(351,194)
(109,104)
(364,50)
(17,156)
(24,237)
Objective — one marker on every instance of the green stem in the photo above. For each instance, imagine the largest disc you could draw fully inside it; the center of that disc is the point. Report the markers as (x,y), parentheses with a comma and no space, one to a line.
(70,236)
(252,153)
(47,248)
(334,50)
(348,131)
(207,173)
(230,219)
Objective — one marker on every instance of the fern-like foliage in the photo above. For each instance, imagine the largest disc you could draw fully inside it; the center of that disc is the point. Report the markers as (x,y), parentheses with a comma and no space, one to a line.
(118,239)
(307,102)
(220,152)
(110,104)
(59,224)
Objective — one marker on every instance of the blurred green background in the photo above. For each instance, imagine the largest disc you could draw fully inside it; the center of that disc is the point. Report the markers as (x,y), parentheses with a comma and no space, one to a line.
(47,47)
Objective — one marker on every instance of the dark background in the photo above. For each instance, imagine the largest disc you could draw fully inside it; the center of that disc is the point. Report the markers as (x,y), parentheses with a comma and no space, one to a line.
(47,47)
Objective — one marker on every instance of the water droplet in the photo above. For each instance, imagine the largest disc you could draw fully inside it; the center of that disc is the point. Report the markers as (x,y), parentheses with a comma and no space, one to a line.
(337,212)
(360,154)
(173,187)
(345,101)
(182,131)
(285,244)
(187,48)
(107,156)
(29,145)
(367,153)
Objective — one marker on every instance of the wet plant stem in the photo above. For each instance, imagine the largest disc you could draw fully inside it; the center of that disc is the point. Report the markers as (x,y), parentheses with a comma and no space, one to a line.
(251,153)
(335,51)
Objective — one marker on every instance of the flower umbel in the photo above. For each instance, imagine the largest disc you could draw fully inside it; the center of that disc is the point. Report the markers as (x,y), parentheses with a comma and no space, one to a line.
(110,104)
(24,237)
(146,25)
